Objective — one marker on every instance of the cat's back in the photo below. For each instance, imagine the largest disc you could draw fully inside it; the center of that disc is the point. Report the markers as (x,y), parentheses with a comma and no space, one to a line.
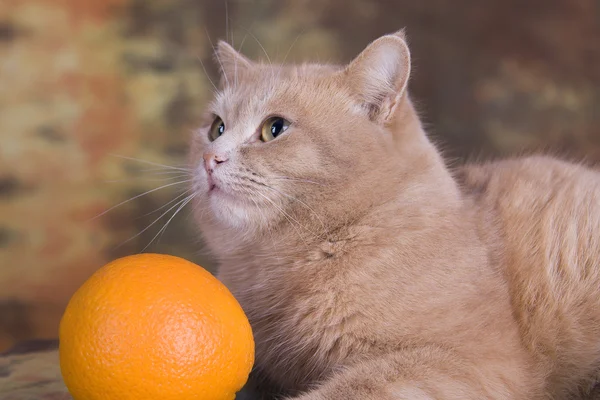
(547,216)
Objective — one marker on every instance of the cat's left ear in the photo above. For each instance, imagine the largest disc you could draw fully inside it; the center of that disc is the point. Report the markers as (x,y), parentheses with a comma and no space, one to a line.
(378,77)
(230,61)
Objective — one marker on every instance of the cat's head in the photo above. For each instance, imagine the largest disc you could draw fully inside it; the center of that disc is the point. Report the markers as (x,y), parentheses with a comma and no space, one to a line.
(281,142)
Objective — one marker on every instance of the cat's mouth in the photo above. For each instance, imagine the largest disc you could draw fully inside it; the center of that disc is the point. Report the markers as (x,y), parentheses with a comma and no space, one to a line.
(213,188)
(218,189)
(212,185)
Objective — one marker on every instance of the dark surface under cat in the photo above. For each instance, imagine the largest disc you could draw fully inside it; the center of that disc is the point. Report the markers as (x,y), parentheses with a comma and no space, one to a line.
(30,371)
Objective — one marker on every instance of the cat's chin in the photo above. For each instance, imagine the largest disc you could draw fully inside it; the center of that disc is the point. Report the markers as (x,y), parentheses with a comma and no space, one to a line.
(234,212)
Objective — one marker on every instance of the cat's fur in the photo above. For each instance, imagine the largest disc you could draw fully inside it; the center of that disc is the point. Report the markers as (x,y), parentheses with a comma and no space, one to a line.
(368,269)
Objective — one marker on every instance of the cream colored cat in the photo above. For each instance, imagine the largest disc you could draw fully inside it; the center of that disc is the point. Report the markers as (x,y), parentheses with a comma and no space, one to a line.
(367,268)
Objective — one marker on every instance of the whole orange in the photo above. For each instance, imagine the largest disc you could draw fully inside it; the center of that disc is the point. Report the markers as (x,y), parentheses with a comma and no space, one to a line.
(150,327)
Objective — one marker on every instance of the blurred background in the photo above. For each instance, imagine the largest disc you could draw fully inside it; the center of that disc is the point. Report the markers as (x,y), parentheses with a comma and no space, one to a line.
(87,86)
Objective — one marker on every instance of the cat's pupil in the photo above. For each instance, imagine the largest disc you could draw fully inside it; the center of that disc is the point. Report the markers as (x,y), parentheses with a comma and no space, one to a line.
(277,127)
(221,128)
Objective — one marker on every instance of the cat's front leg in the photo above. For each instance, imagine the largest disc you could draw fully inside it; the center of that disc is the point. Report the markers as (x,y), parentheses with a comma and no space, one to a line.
(424,373)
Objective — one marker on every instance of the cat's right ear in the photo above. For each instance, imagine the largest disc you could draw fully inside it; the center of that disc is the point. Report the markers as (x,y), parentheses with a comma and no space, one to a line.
(231,62)
(378,77)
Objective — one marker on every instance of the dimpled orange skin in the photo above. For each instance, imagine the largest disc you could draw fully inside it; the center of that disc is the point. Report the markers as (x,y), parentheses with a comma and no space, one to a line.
(150,327)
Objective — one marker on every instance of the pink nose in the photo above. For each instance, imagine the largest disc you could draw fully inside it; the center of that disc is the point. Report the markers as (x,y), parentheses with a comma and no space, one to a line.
(211,160)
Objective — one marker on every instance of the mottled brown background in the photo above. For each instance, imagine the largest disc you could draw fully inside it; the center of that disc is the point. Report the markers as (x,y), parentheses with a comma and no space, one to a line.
(81,80)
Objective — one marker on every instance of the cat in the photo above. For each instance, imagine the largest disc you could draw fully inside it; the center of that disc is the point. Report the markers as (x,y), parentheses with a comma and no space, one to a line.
(369,269)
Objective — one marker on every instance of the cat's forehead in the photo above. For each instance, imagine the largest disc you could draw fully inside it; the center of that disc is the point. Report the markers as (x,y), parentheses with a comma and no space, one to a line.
(267,86)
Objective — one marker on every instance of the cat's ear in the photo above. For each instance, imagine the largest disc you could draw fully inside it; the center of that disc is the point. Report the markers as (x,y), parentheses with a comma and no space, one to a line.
(378,77)
(230,61)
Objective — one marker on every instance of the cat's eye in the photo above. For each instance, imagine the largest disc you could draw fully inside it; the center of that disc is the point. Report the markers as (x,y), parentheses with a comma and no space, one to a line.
(216,129)
(273,127)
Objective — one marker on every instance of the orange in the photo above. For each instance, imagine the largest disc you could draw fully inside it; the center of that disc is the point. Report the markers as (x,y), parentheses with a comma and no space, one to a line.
(154,327)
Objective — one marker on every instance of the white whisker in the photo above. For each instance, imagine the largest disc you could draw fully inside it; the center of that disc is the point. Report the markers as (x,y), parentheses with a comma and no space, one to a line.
(287,178)
(163,171)
(287,216)
(227,24)
(275,251)
(153,222)
(235,65)
(261,46)
(179,196)
(288,52)
(301,202)
(137,197)
(208,76)
(150,162)
(244,39)
(164,228)
(142,179)
(264,51)
(217,57)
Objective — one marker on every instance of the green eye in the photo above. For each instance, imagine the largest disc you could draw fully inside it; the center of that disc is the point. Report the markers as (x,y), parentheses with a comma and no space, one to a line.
(216,129)
(273,127)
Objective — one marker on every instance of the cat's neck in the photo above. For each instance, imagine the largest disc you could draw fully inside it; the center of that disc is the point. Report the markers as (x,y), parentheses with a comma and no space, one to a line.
(415,149)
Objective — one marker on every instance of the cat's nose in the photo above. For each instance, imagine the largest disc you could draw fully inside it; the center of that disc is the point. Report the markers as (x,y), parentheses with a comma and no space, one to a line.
(211,160)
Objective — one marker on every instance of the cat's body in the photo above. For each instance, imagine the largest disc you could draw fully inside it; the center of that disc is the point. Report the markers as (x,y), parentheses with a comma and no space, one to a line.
(548,214)
(368,269)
